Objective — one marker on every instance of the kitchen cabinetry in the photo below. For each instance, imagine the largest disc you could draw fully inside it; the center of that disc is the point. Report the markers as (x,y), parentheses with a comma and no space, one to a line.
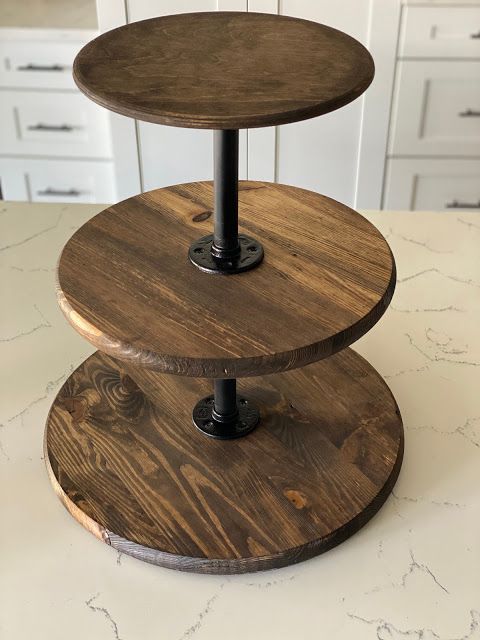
(434,149)
(55,145)
(34,123)
(440,30)
(437,111)
(420,114)
(320,154)
(435,184)
(48,180)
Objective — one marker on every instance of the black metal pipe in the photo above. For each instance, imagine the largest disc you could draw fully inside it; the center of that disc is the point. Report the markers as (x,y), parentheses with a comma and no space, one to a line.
(225,251)
(225,162)
(225,400)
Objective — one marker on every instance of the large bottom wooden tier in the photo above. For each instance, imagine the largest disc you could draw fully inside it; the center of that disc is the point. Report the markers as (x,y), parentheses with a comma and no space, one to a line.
(128,464)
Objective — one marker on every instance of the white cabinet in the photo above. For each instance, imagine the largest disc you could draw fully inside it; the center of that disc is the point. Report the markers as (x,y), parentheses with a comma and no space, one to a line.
(57,180)
(434,150)
(432,184)
(431,49)
(36,63)
(43,118)
(320,154)
(144,9)
(437,108)
(448,31)
(64,124)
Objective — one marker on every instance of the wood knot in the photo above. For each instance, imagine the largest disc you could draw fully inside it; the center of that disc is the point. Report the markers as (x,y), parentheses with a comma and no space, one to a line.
(297,498)
(200,217)
(77,407)
(129,385)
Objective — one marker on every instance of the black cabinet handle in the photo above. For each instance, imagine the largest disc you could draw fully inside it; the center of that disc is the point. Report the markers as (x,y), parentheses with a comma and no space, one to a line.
(469,113)
(475,36)
(74,193)
(50,127)
(41,67)
(456,204)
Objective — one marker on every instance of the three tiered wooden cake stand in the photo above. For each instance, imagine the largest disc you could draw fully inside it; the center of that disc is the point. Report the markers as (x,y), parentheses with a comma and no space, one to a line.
(138,448)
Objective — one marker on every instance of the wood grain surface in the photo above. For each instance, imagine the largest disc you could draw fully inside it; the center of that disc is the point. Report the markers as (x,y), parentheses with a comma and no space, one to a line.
(126,284)
(223,70)
(128,464)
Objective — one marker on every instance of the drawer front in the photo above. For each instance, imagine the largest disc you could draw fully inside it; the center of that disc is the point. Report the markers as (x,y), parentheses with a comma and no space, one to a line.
(432,185)
(436,108)
(57,181)
(52,124)
(36,64)
(444,31)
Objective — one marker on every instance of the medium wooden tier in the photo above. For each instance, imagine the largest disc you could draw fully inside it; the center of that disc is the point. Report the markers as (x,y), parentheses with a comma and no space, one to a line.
(130,467)
(223,70)
(126,284)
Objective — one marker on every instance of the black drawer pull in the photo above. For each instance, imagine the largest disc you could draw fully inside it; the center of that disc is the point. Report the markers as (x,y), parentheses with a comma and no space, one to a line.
(42,67)
(50,127)
(456,204)
(475,36)
(73,193)
(469,113)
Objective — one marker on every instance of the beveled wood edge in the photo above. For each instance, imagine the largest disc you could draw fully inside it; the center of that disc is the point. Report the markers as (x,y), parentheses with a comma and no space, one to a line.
(82,518)
(227,367)
(221,566)
(228,122)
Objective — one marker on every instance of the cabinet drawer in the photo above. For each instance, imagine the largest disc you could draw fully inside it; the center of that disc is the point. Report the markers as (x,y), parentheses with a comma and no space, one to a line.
(437,108)
(57,181)
(449,31)
(37,64)
(48,123)
(432,185)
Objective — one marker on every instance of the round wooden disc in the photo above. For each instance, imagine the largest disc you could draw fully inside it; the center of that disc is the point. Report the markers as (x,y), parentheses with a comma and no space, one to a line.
(129,465)
(223,70)
(126,283)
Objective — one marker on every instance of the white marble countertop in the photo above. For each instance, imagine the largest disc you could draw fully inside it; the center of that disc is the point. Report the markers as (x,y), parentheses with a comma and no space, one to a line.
(412,573)
(48,14)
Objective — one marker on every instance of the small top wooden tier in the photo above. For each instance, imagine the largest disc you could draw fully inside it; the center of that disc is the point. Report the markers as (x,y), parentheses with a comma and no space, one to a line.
(223,70)
(126,283)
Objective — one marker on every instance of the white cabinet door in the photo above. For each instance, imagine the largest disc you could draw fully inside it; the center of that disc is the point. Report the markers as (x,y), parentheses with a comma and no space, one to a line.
(319,154)
(437,108)
(144,9)
(57,181)
(441,32)
(45,123)
(37,62)
(432,184)
(13,185)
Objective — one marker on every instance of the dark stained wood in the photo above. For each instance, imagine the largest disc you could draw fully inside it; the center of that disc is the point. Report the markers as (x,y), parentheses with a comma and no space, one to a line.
(128,464)
(223,70)
(126,284)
